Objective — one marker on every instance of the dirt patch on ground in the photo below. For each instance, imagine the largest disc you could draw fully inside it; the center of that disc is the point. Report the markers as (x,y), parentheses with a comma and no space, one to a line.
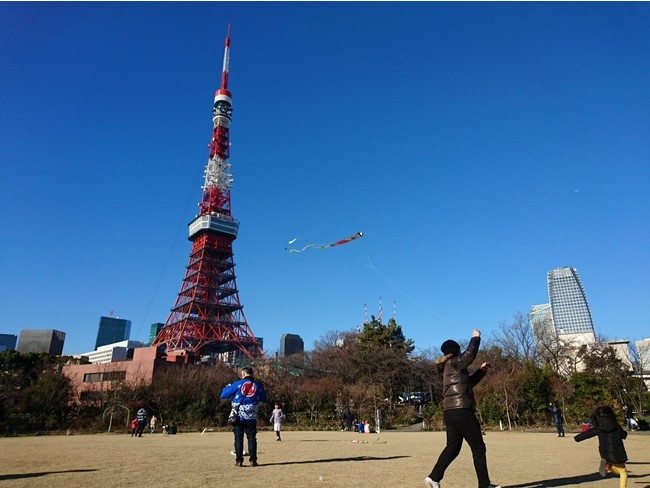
(306,459)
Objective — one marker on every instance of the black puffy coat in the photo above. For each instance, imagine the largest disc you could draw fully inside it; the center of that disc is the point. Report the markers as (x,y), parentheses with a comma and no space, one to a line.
(456,381)
(610,439)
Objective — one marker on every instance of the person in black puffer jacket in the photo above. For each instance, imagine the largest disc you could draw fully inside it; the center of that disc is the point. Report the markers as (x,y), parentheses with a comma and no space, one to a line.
(610,442)
(459,404)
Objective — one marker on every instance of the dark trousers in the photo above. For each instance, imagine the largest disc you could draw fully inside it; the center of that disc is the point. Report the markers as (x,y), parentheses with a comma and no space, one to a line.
(462,424)
(140,428)
(250,429)
(560,429)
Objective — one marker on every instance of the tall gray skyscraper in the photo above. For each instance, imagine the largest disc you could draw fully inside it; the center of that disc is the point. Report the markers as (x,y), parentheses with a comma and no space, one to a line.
(112,330)
(571,314)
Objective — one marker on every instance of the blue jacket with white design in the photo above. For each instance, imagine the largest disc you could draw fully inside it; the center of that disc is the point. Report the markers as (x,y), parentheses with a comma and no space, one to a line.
(245,393)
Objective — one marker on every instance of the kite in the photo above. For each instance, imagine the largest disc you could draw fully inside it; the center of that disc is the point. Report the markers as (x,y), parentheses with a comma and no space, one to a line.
(324,246)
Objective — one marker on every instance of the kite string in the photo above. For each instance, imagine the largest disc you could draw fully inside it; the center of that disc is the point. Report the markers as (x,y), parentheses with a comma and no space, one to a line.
(373,267)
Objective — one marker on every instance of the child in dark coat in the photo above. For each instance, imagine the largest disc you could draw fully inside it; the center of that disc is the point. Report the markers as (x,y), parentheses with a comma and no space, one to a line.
(610,442)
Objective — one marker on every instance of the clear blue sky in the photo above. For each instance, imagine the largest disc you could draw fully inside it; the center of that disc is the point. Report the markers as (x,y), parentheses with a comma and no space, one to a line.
(476,145)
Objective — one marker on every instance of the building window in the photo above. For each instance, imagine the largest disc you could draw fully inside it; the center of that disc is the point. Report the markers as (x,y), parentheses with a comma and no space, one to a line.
(107,376)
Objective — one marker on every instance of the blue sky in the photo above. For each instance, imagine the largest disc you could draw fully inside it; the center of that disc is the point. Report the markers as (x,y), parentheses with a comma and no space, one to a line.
(476,145)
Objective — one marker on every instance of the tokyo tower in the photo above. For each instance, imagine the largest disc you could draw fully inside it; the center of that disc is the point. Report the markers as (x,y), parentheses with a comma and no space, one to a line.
(207,318)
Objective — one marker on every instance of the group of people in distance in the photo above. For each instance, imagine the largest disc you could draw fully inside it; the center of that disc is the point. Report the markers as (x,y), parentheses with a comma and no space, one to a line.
(459,417)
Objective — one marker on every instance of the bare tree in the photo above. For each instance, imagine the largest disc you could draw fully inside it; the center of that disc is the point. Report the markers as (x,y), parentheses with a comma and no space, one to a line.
(562,353)
(640,358)
(517,340)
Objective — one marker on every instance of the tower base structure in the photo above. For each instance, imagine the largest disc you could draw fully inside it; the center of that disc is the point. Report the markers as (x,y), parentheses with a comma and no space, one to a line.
(208,319)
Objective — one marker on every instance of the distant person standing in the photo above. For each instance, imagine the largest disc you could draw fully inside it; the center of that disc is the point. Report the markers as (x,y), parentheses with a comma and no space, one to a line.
(629,417)
(134,426)
(142,420)
(152,423)
(246,395)
(558,418)
(349,418)
(459,405)
(277,419)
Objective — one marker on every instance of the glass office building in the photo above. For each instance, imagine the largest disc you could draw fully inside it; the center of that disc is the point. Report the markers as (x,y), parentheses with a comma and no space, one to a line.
(8,342)
(112,330)
(291,344)
(569,307)
(153,332)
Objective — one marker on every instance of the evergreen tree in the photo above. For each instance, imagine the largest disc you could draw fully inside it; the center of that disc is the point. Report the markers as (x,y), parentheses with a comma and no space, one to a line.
(389,335)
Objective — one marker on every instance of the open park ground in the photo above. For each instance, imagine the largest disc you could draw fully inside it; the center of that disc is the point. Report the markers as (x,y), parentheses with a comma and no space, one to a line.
(391,459)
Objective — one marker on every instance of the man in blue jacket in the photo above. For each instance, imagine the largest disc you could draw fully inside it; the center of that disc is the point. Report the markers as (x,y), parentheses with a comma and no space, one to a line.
(246,395)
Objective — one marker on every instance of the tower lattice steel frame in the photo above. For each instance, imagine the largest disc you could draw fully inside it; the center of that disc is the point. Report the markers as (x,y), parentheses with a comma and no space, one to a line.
(207,317)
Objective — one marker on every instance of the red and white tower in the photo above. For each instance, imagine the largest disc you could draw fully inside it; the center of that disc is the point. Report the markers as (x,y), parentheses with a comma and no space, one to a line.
(208,317)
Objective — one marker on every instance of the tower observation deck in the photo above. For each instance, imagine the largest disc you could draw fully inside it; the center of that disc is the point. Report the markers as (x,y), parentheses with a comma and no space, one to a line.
(208,318)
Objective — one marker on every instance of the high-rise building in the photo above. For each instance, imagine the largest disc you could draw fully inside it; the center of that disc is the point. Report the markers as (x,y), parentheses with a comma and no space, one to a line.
(49,341)
(208,318)
(567,316)
(112,330)
(8,342)
(291,344)
(541,319)
(155,328)
(571,314)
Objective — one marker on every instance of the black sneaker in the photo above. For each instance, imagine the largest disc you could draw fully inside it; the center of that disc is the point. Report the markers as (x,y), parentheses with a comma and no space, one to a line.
(239,464)
(254,464)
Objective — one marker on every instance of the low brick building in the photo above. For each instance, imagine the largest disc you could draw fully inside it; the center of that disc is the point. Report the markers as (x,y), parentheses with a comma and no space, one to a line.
(91,382)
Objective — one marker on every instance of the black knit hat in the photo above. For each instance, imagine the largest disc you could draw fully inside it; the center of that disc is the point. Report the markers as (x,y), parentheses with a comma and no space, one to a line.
(450,347)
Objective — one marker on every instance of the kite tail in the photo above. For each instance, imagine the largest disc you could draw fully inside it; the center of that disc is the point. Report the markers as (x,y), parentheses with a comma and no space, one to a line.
(316,246)
(323,246)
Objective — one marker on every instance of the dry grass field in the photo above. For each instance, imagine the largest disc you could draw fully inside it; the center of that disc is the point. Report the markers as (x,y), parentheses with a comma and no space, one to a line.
(306,459)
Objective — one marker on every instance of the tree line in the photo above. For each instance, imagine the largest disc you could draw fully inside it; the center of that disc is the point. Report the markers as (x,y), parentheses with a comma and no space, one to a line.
(359,372)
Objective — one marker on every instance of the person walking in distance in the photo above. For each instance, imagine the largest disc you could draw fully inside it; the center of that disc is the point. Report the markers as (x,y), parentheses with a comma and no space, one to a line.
(459,405)
(277,419)
(142,420)
(246,395)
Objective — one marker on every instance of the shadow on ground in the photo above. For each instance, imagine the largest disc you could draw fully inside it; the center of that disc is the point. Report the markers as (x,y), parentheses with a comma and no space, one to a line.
(570,481)
(336,460)
(4,477)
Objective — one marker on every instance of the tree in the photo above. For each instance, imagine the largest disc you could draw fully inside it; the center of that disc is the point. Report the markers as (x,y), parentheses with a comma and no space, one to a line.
(381,357)
(517,339)
(334,355)
(320,396)
(34,395)
(189,394)
(389,335)
(638,391)
(558,352)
